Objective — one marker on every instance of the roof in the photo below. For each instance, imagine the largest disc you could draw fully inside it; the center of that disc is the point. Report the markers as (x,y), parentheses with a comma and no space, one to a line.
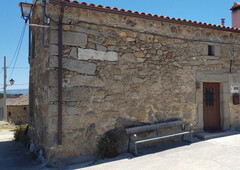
(21,100)
(235,6)
(115,10)
(8,100)
(9,96)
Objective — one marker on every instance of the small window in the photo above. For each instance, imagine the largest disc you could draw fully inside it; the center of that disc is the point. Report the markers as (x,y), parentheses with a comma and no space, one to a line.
(24,108)
(210,50)
(9,114)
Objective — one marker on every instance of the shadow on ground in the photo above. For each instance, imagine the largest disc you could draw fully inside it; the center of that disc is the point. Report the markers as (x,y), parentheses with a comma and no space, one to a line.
(151,149)
(143,150)
(14,155)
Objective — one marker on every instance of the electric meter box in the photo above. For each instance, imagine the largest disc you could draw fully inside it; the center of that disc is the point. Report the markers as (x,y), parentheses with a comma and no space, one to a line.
(234,89)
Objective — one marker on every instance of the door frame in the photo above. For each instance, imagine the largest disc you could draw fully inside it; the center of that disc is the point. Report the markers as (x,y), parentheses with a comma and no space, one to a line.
(213,77)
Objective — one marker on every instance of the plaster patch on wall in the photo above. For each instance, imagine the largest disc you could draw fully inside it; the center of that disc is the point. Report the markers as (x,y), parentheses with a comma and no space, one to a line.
(89,54)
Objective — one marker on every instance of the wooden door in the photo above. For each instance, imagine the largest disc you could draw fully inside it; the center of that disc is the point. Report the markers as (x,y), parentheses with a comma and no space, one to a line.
(211,106)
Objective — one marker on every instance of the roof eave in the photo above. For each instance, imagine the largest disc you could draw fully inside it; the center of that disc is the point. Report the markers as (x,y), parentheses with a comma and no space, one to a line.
(146,16)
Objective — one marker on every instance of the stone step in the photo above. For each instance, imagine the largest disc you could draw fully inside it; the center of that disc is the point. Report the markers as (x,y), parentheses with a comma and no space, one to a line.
(208,135)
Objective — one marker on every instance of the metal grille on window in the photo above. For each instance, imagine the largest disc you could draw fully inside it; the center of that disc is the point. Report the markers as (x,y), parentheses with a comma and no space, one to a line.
(209,97)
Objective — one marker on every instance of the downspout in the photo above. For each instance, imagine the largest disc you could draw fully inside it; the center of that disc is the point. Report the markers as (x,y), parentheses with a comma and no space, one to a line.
(231,61)
(60,55)
(29,41)
(230,69)
(43,23)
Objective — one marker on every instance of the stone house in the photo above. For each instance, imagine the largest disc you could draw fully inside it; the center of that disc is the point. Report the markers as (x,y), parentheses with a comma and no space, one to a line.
(18,110)
(2,104)
(106,68)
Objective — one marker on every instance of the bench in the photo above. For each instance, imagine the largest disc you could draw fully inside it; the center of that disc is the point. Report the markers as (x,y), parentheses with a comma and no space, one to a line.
(155,127)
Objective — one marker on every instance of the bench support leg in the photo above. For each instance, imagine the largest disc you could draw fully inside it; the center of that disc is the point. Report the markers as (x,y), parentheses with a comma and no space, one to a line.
(191,137)
(129,140)
(182,137)
(136,151)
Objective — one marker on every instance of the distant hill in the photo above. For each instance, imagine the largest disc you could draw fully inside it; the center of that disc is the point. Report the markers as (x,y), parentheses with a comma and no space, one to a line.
(17,91)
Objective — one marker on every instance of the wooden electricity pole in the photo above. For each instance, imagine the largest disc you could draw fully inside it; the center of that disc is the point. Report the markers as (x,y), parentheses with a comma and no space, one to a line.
(5,92)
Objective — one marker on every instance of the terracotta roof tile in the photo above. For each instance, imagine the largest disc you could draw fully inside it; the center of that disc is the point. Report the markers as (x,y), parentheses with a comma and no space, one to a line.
(147,15)
(21,100)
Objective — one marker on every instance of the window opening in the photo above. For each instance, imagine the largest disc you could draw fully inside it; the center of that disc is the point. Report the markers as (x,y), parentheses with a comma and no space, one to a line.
(210,50)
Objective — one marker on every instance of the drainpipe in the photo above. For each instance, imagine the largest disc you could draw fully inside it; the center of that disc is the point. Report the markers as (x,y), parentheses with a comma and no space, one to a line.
(60,55)
(230,69)
(29,40)
(231,61)
(43,23)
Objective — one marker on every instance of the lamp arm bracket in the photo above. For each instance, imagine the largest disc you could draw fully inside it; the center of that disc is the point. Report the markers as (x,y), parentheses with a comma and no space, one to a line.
(37,25)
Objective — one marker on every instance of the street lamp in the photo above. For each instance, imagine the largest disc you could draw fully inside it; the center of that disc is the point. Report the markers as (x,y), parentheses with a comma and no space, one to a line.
(26,10)
(12,82)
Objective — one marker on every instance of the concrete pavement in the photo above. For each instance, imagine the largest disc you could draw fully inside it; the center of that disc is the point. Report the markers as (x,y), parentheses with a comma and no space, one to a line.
(14,155)
(213,154)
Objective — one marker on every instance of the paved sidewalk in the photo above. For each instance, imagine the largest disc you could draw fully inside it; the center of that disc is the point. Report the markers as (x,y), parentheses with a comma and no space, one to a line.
(14,155)
(214,154)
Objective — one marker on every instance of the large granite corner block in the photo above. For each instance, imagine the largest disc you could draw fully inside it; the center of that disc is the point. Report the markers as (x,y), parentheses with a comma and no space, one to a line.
(89,54)
(74,65)
(69,38)
(53,49)
(80,80)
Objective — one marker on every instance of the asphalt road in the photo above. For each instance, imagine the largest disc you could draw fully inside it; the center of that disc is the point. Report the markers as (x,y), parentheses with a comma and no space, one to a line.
(14,155)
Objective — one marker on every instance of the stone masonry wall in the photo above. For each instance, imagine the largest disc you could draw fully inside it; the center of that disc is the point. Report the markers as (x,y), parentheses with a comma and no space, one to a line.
(234,109)
(38,84)
(118,70)
(18,114)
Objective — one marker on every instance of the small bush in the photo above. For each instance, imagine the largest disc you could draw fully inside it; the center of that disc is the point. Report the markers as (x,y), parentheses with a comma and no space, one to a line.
(20,133)
(108,144)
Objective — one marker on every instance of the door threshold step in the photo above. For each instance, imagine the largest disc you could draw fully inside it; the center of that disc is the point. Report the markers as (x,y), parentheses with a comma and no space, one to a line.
(208,135)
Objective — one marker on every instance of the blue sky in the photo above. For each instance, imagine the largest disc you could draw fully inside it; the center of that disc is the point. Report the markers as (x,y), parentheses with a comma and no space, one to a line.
(210,11)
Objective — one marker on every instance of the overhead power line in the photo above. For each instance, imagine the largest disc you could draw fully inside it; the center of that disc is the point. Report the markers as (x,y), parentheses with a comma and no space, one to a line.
(19,42)
(17,67)
(17,84)
(21,68)
(16,54)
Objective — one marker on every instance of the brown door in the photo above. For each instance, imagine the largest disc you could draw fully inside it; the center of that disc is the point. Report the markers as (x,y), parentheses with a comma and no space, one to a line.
(211,106)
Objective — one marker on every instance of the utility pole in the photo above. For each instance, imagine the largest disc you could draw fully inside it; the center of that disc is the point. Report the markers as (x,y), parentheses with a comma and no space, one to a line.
(5,91)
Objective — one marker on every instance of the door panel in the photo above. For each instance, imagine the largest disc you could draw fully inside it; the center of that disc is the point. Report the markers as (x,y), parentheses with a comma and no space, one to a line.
(211,106)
